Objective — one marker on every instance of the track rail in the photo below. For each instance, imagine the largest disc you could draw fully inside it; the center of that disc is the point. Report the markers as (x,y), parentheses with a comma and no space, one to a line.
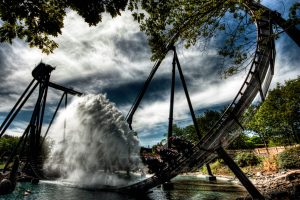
(229,125)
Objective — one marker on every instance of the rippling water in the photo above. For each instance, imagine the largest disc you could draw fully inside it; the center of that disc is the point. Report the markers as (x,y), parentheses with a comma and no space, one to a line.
(185,188)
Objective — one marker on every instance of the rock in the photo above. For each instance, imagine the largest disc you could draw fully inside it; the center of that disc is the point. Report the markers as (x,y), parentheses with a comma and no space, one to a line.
(27,192)
(168,186)
(258,174)
(244,198)
(292,176)
(296,191)
(6,186)
(35,181)
(280,195)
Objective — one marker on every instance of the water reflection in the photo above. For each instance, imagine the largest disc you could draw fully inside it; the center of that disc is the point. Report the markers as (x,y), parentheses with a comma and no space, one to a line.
(185,188)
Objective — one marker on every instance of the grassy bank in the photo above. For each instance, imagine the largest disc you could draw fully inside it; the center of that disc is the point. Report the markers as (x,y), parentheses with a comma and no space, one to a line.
(2,166)
(253,164)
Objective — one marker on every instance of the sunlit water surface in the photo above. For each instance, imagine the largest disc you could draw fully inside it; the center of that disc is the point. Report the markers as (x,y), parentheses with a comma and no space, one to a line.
(185,188)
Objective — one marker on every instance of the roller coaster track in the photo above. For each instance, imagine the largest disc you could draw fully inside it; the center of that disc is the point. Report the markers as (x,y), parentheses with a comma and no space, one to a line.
(221,134)
(229,125)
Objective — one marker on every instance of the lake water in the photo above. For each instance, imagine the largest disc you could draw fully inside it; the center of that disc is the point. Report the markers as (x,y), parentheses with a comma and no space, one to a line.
(185,188)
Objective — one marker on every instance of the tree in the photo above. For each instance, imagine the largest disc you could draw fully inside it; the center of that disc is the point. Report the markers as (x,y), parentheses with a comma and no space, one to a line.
(39,21)
(7,143)
(195,22)
(187,133)
(277,119)
(205,123)
(243,141)
(166,21)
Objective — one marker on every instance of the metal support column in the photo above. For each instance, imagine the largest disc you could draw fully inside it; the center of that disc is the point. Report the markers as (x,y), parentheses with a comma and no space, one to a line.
(170,128)
(16,105)
(14,152)
(65,120)
(291,30)
(211,177)
(17,111)
(43,108)
(35,124)
(208,170)
(190,106)
(239,174)
(187,95)
(141,94)
(52,119)
(31,141)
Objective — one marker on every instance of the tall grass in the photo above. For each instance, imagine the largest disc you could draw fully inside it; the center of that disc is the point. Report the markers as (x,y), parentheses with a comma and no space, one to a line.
(270,164)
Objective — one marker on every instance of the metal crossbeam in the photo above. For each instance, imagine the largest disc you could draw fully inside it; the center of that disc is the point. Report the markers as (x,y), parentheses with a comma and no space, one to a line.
(32,134)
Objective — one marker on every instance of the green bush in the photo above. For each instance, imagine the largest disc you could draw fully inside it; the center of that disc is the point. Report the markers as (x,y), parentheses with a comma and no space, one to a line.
(218,167)
(289,159)
(244,159)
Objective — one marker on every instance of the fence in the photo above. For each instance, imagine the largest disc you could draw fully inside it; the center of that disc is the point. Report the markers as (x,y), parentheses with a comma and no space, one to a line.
(262,151)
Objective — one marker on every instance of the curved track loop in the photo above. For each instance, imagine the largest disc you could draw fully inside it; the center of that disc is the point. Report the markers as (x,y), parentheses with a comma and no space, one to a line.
(228,126)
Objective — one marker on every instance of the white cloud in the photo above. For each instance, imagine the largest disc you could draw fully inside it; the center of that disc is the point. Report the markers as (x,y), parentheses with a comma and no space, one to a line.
(151,113)
(85,50)
(17,128)
(114,53)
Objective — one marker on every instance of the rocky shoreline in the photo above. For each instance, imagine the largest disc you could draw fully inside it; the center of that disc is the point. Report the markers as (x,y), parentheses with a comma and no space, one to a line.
(284,185)
(281,185)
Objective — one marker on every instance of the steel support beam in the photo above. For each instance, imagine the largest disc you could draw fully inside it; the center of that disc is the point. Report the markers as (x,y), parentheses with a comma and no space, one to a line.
(141,94)
(170,128)
(65,120)
(239,174)
(209,170)
(190,104)
(187,95)
(64,89)
(16,148)
(17,111)
(290,29)
(52,119)
(16,105)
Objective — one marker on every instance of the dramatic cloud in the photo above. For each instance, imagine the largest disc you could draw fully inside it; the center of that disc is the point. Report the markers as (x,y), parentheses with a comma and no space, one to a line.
(114,58)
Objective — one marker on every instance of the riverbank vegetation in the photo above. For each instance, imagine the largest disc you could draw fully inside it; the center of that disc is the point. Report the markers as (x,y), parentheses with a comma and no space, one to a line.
(253,164)
(8,143)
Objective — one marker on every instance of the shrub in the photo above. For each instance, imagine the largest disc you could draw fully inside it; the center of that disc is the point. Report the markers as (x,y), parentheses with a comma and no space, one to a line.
(289,159)
(218,168)
(270,163)
(244,159)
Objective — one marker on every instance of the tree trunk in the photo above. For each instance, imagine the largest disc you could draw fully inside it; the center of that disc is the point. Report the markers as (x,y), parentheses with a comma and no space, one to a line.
(294,132)
(265,142)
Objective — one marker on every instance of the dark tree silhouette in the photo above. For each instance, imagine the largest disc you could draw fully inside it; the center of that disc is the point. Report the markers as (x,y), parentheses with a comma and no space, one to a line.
(164,21)
(37,21)
(192,22)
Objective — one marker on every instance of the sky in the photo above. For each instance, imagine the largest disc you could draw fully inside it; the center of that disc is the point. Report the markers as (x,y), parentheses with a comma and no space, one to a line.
(114,58)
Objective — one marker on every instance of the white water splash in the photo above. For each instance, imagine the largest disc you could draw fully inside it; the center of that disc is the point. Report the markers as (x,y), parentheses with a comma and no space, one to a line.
(96,138)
